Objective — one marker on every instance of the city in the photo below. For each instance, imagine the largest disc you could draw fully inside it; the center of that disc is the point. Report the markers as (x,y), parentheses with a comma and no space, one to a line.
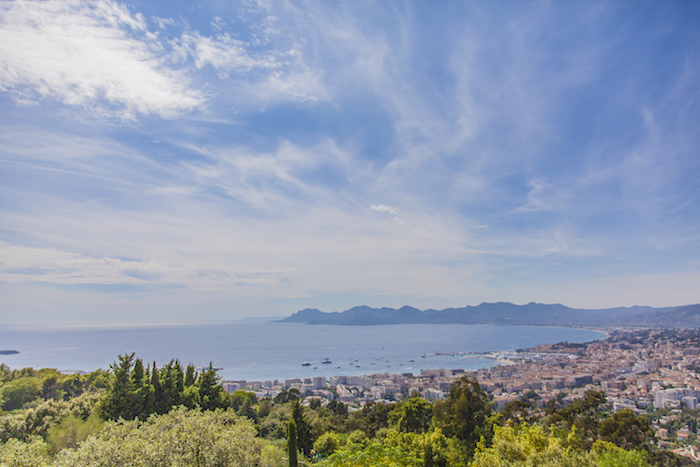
(647,371)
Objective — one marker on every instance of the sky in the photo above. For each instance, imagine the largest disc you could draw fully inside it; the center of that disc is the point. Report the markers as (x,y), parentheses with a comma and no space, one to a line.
(173,161)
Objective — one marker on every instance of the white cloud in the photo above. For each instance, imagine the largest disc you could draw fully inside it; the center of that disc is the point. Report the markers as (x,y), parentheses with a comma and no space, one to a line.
(22,264)
(223,53)
(385,208)
(94,55)
(101,57)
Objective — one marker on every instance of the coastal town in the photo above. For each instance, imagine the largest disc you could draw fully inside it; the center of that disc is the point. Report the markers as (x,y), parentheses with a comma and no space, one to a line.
(651,371)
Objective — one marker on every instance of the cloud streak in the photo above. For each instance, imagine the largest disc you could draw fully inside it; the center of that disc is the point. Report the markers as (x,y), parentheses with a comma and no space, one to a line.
(97,56)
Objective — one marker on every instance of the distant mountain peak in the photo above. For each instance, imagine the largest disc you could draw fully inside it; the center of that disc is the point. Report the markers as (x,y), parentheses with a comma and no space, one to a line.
(501,313)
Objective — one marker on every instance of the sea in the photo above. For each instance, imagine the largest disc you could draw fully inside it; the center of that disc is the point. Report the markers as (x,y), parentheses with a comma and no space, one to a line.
(260,350)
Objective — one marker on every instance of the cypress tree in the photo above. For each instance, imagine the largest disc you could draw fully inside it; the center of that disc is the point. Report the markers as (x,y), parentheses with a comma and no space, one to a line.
(171,381)
(190,376)
(149,402)
(140,389)
(292,443)
(179,376)
(159,405)
(304,440)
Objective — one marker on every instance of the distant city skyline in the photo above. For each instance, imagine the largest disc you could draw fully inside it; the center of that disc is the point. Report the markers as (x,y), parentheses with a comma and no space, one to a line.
(176,162)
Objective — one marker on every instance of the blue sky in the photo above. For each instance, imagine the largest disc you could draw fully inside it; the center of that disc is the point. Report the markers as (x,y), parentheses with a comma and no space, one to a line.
(172,161)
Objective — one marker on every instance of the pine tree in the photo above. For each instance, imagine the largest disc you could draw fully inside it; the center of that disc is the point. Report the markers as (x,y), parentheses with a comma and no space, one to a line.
(121,398)
(209,389)
(465,413)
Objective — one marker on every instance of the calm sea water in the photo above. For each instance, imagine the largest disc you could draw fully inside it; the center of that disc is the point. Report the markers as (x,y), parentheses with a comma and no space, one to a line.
(257,350)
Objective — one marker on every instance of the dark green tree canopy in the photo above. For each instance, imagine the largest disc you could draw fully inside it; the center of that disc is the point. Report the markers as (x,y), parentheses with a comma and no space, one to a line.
(465,413)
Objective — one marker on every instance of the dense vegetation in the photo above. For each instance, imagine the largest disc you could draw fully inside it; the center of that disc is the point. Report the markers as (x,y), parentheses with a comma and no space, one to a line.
(150,416)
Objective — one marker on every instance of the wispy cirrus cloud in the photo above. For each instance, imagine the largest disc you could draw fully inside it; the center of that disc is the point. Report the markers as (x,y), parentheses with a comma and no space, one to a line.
(98,56)
(101,57)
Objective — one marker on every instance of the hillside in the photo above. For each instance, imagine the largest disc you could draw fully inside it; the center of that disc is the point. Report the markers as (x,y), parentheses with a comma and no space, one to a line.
(504,313)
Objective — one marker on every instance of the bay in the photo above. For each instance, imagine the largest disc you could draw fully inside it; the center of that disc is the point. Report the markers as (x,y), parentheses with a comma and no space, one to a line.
(258,350)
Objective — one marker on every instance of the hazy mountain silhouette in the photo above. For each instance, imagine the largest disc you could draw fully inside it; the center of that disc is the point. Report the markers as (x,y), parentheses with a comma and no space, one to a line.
(504,313)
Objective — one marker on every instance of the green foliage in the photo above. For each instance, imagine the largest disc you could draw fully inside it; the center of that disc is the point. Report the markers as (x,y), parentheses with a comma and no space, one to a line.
(183,438)
(72,431)
(120,402)
(15,453)
(23,425)
(20,391)
(413,416)
(287,396)
(372,418)
(372,455)
(304,438)
(584,414)
(626,430)
(190,397)
(245,404)
(273,456)
(610,455)
(530,445)
(137,392)
(358,437)
(190,376)
(274,426)
(525,446)
(433,448)
(338,408)
(465,413)
(211,395)
(516,411)
(292,443)
(327,444)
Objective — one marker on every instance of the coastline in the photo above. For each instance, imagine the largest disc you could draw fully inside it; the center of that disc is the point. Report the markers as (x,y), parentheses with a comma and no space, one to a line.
(252,350)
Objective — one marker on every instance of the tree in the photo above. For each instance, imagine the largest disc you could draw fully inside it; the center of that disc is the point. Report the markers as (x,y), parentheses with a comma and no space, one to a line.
(516,411)
(71,432)
(286,396)
(18,392)
(326,444)
(626,430)
(209,389)
(141,387)
(584,414)
(465,413)
(121,398)
(292,443)
(303,429)
(182,437)
(413,416)
(338,408)
(190,376)
(528,445)
(371,455)
(160,405)
(373,417)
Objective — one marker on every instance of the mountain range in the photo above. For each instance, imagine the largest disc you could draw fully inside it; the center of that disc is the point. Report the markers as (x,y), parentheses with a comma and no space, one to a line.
(504,313)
